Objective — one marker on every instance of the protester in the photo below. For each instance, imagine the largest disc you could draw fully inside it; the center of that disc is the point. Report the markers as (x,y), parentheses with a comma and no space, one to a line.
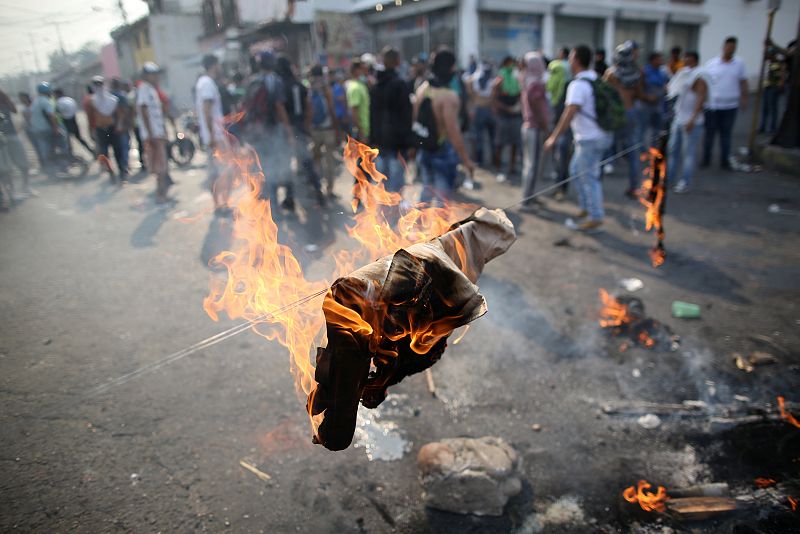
(773,87)
(675,62)
(26,102)
(438,164)
(326,135)
(559,76)
(266,128)
(390,120)
(600,65)
(483,122)
(419,71)
(339,94)
(298,109)
(124,122)
(135,125)
(591,141)
(508,112)
(208,106)
(45,128)
(626,77)
(152,128)
(535,123)
(12,145)
(67,110)
(358,100)
(690,86)
(652,105)
(728,92)
(102,111)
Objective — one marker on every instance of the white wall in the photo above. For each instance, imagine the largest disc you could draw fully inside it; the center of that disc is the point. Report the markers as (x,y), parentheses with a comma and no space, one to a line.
(175,40)
(748,23)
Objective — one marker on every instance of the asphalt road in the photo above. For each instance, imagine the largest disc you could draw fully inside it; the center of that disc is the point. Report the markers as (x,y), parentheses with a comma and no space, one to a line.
(97,281)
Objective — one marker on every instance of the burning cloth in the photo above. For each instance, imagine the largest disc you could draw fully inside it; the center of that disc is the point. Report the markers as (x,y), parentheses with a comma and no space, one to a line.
(394,316)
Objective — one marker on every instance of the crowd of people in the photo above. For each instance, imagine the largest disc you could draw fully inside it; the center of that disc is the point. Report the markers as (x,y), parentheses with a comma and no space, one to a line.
(523,119)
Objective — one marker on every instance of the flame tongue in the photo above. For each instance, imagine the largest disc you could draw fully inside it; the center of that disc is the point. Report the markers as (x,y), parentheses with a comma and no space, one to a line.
(785,415)
(652,195)
(649,501)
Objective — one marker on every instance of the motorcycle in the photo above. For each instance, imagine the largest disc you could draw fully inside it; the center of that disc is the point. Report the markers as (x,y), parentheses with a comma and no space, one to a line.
(181,150)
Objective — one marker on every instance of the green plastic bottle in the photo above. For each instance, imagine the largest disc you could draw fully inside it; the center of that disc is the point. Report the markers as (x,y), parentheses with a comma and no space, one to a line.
(685,310)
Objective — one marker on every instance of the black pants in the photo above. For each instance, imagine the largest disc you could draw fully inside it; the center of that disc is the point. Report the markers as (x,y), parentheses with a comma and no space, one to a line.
(719,121)
(107,137)
(72,129)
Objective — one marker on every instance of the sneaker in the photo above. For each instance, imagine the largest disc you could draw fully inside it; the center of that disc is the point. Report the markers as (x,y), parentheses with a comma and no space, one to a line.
(588,226)
(681,187)
(583,214)
(559,195)
(468,184)
(501,178)
(608,169)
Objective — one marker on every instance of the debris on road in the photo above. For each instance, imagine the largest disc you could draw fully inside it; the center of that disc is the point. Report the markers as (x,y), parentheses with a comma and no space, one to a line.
(469,475)
(631,284)
(255,470)
(649,421)
(685,310)
(625,316)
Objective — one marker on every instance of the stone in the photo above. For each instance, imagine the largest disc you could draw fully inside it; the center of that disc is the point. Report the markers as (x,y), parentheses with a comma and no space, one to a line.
(469,475)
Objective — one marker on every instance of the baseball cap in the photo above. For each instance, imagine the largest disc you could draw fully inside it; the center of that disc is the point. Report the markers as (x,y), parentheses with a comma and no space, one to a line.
(150,68)
(98,80)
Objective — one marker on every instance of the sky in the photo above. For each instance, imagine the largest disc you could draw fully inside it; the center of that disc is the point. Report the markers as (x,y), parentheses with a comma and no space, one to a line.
(29,26)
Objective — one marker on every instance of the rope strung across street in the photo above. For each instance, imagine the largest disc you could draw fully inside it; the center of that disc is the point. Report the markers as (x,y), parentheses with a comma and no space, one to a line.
(241,327)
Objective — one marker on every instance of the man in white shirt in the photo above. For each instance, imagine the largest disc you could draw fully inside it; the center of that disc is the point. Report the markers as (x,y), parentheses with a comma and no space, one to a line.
(690,85)
(208,105)
(591,141)
(728,91)
(152,128)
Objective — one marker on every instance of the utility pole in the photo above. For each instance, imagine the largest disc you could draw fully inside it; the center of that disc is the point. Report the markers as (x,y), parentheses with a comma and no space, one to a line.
(122,11)
(60,40)
(35,55)
(751,144)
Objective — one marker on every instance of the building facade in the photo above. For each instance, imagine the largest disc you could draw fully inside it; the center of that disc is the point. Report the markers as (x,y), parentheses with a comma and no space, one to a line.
(494,28)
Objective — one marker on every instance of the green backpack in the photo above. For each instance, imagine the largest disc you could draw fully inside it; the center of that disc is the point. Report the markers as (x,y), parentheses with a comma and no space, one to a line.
(608,106)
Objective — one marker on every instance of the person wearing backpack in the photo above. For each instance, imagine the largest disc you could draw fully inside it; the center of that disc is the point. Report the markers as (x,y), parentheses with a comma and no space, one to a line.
(436,131)
(265,126)
(325,130)
(390,120)
(591,140)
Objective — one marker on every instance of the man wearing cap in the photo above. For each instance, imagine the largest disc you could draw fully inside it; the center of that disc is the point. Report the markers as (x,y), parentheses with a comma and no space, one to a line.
(44,124)
(103,113)
(152,128)
(208,105)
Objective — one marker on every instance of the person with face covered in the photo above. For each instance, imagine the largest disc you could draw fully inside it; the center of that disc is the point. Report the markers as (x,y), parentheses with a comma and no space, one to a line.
(438,166)
(535,122)
(626,77)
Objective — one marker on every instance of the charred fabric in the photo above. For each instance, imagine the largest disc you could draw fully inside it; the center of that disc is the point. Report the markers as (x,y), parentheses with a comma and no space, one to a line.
(391,319)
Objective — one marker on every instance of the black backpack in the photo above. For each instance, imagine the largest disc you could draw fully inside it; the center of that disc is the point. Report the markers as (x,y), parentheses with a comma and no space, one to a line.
(424,132)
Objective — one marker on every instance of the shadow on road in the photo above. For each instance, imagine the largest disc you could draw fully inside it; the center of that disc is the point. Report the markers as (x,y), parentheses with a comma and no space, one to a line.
(144,234)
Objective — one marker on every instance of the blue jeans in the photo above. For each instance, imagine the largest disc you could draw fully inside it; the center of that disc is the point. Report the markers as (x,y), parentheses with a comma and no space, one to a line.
(652,120)
(682,151)
(561,158)
(438,170)
(586,162)
(482,123)
(630,136)
(388,163)
(769,109)
(719,121)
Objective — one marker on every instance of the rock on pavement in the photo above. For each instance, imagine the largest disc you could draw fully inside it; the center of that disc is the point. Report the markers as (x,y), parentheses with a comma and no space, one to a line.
(469,475)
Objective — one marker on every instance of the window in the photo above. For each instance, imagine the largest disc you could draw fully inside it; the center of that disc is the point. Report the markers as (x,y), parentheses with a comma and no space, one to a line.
(504,34)
(209,17)
(572,31)
(683,35)
(636,30)
(230,17)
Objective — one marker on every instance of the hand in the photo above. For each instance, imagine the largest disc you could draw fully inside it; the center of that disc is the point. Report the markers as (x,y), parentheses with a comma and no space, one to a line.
(690,125)
(549,143)
(469,167)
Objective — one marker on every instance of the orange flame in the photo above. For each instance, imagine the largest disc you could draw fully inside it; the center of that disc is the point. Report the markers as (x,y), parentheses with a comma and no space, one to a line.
(762,482)
(651,195)
(785,415)
(792,503)
(265,282)
(613,313)
(649,501)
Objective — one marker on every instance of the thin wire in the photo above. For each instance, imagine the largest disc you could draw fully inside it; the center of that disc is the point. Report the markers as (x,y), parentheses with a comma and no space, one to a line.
(241,327)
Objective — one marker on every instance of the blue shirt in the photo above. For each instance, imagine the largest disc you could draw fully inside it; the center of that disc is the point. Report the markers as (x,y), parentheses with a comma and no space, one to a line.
(40,106)
(339,99)
(655,82)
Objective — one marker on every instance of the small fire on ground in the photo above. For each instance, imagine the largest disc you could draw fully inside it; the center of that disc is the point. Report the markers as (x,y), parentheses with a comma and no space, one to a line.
(785,414)
(648,500)
(625,317)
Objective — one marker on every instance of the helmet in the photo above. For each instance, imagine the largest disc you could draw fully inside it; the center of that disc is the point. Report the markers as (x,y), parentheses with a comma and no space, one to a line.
(43,88)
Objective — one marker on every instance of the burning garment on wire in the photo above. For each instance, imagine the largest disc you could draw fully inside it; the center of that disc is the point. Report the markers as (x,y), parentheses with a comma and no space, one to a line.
(391,319)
